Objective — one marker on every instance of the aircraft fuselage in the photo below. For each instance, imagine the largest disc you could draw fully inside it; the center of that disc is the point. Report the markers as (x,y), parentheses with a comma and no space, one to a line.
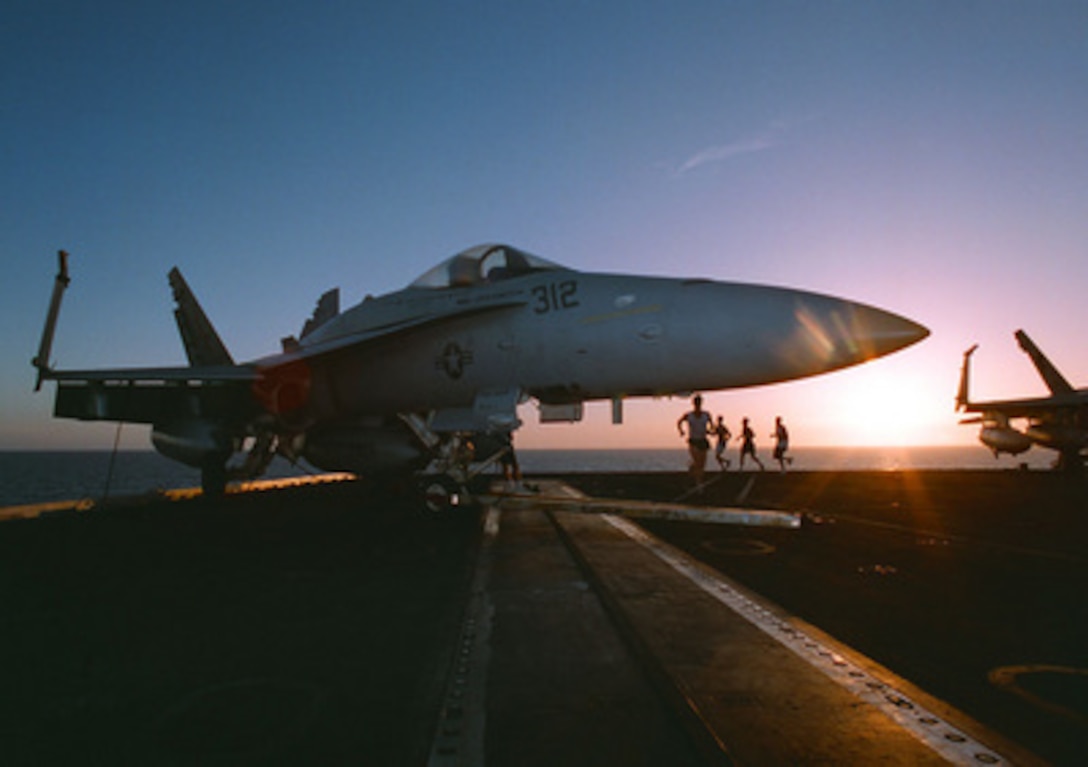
(397,379)
(566,336)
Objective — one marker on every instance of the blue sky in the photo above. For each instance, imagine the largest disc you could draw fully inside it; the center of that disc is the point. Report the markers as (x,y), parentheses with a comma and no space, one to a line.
(930,158)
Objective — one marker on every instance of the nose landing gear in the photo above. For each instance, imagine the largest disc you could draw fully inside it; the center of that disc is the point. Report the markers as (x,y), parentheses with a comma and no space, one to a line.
(443,493)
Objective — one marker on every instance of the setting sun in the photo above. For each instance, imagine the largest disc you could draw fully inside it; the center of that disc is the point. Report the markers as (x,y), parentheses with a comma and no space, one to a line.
(886,408)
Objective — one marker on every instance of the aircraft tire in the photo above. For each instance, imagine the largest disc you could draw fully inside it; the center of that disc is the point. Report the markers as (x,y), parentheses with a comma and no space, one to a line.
(442,493)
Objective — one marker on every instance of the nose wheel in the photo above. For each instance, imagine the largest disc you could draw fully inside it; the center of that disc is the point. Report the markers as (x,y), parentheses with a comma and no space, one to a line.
(442,493)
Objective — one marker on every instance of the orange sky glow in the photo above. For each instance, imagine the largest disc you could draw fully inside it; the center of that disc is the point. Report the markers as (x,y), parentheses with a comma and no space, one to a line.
(925,158)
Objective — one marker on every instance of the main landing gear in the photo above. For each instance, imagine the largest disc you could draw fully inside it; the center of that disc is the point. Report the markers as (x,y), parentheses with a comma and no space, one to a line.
(445,486)
(215,473)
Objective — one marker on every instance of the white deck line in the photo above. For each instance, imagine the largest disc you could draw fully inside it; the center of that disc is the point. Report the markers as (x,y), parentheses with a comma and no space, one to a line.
(947,740)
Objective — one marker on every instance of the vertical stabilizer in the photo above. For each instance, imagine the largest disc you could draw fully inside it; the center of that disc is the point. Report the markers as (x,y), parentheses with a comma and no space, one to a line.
(202,344)
(962,400)
(328,306)
(1055,381)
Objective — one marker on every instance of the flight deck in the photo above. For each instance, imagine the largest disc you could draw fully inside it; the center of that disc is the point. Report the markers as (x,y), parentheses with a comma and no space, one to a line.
(330,623)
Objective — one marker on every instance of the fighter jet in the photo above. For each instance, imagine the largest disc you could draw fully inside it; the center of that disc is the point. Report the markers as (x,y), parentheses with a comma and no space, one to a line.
(414,380)
(1058,422)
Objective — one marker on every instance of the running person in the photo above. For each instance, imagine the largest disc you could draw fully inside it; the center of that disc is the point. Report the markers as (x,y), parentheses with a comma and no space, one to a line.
(748,446)
(698,422)
(781,443)
(721,431)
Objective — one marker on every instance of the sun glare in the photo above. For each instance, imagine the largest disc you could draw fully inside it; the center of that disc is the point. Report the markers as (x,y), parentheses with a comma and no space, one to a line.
(885,409)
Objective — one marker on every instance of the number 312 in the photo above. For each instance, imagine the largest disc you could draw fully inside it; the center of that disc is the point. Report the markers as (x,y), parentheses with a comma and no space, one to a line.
(557,295)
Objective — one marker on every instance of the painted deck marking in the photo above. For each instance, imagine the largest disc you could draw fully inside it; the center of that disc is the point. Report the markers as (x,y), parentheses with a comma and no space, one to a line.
(947,740)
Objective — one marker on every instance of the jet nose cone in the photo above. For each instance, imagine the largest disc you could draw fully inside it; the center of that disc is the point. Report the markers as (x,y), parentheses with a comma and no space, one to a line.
(885,332)
(861,332)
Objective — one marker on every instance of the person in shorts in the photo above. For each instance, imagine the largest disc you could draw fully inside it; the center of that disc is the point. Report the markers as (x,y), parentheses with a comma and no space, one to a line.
(781,443)
(698,423)
(748,445)
(722,434)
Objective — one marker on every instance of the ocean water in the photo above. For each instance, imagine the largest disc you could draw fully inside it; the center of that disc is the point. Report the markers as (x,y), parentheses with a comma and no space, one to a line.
(39,477)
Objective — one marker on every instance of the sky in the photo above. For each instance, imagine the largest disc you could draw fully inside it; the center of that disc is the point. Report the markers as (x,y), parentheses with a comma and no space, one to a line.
(929,158)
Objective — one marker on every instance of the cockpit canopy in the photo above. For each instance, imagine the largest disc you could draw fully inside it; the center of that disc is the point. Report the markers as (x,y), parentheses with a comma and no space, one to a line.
(481,265)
